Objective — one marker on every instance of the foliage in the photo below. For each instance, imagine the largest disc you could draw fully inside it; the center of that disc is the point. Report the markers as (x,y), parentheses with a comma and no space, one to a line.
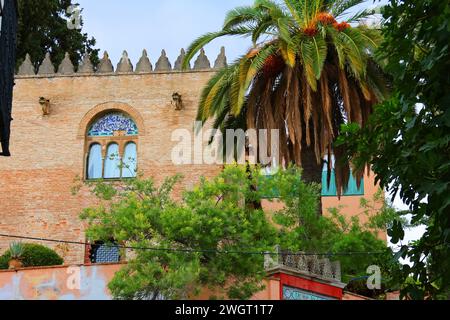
(43,28)
(306,75)
(216,234)
(4,262)
(16,250)
(359,286)
(33,255)
(207,219)
(408,140)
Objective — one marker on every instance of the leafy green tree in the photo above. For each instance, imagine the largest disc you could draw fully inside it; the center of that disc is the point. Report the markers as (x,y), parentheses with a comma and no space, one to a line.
(208,218)
(408,139)
(306,75)
(43,28)
(214,236)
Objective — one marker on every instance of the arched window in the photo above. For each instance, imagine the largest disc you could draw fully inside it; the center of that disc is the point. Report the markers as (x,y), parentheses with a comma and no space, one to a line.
(129,161)
(111,144)
(112,162)
(95,162)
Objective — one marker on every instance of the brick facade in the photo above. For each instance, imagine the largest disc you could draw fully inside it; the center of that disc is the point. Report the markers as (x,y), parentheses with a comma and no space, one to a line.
(49,152)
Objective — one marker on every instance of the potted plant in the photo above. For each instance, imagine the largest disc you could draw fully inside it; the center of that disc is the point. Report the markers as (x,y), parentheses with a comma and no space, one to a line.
(16,251)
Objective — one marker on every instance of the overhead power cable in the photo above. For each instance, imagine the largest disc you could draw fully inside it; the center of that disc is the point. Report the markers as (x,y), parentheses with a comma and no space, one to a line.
(185,250)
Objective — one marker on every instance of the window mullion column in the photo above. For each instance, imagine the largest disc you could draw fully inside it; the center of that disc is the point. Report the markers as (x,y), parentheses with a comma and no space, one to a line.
(104,145)
(122,144)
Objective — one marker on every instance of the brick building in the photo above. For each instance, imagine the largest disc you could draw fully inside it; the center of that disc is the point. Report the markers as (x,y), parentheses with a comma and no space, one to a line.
(60,127)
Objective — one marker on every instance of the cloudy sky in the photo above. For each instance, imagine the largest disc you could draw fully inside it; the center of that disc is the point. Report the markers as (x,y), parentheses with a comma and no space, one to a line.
(158,24)
(168,24)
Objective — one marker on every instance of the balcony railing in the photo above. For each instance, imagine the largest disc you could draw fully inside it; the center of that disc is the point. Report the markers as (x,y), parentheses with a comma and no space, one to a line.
(308,264)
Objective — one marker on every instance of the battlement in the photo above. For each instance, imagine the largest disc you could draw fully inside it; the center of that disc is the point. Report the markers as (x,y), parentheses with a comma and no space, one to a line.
(125,66)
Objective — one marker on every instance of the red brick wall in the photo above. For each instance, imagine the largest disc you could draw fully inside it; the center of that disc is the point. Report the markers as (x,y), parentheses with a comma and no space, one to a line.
(48,151)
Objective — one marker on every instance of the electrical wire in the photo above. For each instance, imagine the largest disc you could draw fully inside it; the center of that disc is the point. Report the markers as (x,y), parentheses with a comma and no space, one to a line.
(181,250)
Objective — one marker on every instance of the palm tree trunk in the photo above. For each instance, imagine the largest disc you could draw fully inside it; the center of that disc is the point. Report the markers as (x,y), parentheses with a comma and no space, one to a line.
(312,171)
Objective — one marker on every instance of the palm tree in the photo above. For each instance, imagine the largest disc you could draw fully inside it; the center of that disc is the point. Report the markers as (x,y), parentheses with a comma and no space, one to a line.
(306,74)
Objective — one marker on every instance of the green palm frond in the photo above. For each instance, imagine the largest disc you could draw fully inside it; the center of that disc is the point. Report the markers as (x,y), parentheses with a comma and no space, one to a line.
(223,111)
(288,53)
(213,93)
(306,53)
(272,8)
(236,96)
(258,62)
(216,88)
(360,15)
(284,27)
(320,55)
(202,113)
(237,80)
(200,42)
(278,18)
(339,7)
(373,37)
(355,47)
(242,16)
(314,53)
(244,67)
(309,9)
(294,8)
(260,29)
(339,46)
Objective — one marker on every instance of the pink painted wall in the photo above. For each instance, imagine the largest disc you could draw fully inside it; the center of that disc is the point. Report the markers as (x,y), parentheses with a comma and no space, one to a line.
(351,296)
(271,292)
(58,283)
(89,282)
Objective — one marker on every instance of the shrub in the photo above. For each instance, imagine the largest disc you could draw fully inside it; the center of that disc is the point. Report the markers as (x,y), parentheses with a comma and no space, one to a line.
(359,286)
(4,259)
(34,255)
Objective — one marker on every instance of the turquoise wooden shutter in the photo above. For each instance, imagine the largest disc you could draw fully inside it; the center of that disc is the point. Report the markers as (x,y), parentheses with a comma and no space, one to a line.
(352,189)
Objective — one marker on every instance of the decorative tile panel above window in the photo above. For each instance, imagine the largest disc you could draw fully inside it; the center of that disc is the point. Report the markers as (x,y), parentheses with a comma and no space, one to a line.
(290,293)
(113,124)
